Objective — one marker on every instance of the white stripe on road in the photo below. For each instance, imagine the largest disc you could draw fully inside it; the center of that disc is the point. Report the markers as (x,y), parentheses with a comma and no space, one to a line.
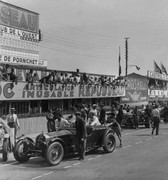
(148,139)
(67,167)
(37,177)
(76,164)
(90,159)
(138,142)
(47,173)
(8,164)
(98,156)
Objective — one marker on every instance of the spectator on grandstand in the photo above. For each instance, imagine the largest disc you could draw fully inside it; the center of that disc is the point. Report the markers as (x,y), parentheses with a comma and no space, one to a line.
(13,77)
(47,79)
(4,72)
(29,78)
(35,77)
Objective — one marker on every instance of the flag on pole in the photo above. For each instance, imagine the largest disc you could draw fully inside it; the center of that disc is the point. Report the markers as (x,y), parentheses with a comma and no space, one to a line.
(157,68)
(164,71)
(119,62)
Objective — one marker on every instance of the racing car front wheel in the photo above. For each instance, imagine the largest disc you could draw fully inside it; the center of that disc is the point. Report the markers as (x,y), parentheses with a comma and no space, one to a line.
(20,152)
(109,143)
(54,153)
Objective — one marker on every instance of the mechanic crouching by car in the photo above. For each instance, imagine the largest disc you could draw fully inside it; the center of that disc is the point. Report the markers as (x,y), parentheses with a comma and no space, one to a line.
(115,126)
(81,134)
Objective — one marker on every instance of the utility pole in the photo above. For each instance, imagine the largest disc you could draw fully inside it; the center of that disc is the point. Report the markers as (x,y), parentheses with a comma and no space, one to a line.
(126,55)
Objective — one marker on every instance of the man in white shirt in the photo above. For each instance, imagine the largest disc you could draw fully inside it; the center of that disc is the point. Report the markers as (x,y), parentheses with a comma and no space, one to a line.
(93,120)
(61,123)
(13,123)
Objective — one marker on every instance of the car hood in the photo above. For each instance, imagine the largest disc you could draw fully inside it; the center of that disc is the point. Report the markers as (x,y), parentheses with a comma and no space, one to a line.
(60,133)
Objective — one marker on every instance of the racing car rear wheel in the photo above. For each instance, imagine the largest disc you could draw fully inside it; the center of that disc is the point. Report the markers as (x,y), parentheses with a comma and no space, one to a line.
(109,143)
(5,150)
(54,153)
(19,153)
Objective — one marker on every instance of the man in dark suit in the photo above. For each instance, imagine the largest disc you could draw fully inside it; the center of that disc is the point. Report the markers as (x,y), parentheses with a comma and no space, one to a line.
(80,135)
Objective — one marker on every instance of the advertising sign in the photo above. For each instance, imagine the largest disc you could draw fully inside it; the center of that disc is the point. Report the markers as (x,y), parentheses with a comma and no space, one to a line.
(23,35)
(22,61)
(20,92)
(157,75)
(19,18)
(136,90)
(158,93)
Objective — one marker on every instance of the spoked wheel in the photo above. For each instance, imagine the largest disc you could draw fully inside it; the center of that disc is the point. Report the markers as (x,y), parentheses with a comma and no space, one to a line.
(54,153)
(5,149)
(109,143)
(19,152)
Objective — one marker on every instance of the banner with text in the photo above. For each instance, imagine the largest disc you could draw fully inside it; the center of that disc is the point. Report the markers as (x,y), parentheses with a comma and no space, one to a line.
(22,61)
(20,92)
(19,18)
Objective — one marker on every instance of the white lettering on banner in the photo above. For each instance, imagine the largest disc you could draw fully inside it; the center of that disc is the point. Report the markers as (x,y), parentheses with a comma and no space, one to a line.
(157,75)
(22,60)
(20,92)
(158,93)
(24,35)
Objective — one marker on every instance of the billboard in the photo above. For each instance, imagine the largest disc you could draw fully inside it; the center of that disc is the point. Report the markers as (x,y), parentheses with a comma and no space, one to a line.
(19,36)
(18,18)
(35,92)
(136,90)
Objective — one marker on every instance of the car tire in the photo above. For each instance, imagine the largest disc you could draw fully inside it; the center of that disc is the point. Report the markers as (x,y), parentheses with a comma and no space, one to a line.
(18,155)
(109,143)
(5,150)
(54,153)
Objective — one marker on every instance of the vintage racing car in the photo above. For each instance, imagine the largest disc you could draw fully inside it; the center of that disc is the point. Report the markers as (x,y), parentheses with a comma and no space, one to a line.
(54,146)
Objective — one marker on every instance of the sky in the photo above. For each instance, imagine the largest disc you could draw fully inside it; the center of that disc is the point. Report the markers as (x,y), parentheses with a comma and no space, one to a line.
(87,34)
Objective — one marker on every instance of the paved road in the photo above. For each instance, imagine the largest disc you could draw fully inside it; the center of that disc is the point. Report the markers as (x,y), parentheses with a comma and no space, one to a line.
(142,157)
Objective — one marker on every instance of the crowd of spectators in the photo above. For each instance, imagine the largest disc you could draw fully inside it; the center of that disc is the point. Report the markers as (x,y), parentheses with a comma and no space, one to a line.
(54,77)
(155,84)
(7,73)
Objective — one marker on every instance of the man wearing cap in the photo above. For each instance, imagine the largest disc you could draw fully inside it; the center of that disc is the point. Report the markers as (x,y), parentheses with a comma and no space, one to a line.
(13,123)
(80,135)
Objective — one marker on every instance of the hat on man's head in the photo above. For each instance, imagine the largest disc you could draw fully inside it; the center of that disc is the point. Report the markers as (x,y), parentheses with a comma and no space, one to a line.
(1,125)
(94,105)
(110,114)
(77,113)
(13,108)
